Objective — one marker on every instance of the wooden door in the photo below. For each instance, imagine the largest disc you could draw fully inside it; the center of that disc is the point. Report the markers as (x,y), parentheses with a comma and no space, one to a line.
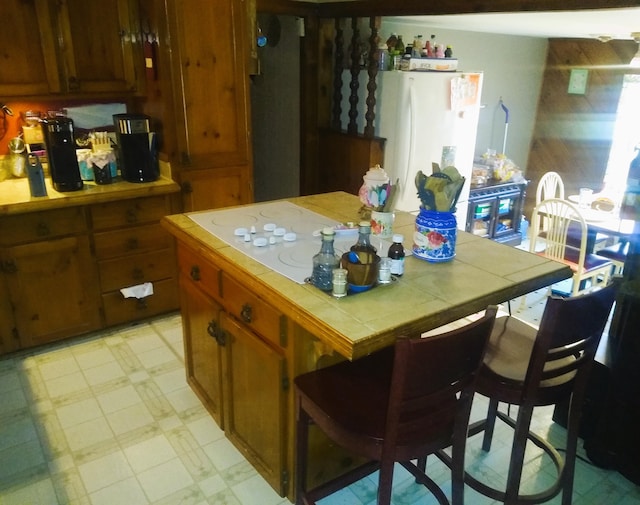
(53,289)
(215,188)
(99,43)
(29,63)
(203,356)
(210,82)
(255,401)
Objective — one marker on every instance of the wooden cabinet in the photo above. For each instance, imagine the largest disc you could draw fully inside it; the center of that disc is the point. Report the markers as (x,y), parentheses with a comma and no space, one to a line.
(30,66)
(255,400)
(49,275)
(62,267)
(69,46)
(209,79)
(132,249)
(236,358)
(203,352)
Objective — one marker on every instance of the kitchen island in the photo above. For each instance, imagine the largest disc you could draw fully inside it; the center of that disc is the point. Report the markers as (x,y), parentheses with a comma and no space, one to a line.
(250,330)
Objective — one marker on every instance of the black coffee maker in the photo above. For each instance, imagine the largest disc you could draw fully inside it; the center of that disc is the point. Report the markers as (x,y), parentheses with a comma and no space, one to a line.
(61,152)
(137,146)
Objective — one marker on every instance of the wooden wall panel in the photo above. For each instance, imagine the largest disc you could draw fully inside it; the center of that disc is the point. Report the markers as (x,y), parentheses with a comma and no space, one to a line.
(573,133)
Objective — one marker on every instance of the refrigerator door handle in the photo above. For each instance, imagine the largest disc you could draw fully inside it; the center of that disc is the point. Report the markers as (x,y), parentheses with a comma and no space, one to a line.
(412,134)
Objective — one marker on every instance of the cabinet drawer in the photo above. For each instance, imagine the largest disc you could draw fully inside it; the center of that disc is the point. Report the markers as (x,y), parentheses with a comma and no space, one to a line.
(118,309)
(253,311)
(139,239)
(199,272)
(129,212)
(38,226)
(147,267)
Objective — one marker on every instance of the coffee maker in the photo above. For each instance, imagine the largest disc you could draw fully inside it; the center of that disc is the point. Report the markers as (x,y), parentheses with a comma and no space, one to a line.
(61,152)
(137,146)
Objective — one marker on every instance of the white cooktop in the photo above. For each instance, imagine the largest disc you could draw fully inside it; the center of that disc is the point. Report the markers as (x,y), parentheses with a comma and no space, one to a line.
(293,259)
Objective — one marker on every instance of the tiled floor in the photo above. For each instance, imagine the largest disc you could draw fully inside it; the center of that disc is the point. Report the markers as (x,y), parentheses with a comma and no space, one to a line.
(109,419)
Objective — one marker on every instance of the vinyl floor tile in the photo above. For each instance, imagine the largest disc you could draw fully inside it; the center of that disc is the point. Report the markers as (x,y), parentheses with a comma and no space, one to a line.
(109,419)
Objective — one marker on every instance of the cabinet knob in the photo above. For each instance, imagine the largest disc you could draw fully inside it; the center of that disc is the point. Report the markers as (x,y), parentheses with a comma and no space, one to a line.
(132,216)
(132,244)
(195,272)
(187,188)
(214,330)
(246,313)
(9,267)
(142,304)
(42,229)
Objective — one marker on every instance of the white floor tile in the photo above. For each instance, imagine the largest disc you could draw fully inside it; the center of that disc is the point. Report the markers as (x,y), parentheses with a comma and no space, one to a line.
(126,491)
(105,471)
(149,453)
(165,479)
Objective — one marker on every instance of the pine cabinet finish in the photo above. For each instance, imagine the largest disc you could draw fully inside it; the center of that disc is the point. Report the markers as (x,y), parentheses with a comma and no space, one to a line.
(65,257)
(69,46)
(269,329)
(209,78)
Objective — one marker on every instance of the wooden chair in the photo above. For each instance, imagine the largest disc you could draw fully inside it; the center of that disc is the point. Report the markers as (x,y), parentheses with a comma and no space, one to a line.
(554,222)
(550,186)
(530,368)
(396,405)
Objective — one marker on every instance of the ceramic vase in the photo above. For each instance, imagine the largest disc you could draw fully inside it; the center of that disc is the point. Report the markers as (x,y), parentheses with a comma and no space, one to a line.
(435,236)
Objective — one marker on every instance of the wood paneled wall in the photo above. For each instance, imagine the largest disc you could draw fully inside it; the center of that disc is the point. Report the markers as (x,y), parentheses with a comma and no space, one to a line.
(573,132)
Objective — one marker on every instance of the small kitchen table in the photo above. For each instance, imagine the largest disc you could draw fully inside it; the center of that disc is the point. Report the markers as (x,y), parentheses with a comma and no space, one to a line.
(250,330)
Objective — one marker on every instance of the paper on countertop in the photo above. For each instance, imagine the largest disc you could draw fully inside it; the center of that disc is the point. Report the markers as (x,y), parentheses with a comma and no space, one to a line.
(96,115)
(138,291)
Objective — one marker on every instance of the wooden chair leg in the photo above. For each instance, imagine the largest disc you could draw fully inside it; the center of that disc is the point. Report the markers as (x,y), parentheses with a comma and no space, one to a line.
(516,462)
(489,424)
(385,482)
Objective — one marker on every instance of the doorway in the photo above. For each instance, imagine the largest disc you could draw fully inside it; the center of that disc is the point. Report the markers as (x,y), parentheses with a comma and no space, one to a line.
(626,136)
(275,110)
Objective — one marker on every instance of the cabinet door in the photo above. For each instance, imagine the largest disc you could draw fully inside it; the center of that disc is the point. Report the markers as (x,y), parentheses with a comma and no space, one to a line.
(203,355)
(255,398)
(53,289)
(215,188)
(8,340)
(210,82)
(98,45)
(29,64)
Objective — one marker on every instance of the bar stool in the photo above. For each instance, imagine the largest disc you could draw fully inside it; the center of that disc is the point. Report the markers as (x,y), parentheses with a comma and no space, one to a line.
(531,368)
(396,405)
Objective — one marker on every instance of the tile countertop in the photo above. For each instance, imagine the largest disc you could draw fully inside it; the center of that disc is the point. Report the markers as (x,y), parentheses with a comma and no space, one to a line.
(15,197)
(427,296)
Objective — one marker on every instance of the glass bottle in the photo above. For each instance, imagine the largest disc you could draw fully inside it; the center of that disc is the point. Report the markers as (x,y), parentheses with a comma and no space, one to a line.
(325,262)
(396,254)
(364,243)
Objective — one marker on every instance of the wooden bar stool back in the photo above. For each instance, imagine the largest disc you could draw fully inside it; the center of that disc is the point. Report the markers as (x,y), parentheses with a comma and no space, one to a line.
(530,368)
(395,405)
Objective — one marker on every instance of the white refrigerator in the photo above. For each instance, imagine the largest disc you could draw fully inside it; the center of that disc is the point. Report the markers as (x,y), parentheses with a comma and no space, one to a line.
(420,113)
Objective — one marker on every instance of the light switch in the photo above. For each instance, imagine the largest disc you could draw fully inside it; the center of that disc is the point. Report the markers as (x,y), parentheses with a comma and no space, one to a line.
(578,81)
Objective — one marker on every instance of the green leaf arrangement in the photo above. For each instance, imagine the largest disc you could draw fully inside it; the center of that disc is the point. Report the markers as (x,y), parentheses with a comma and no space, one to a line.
(440,190)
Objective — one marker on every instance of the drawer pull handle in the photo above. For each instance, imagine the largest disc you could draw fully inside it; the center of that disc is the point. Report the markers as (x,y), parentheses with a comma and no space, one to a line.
(246,313)
(137,274)
(9,267)
(142,304)
(132,244)
(132,216)
(195,272)
(43,230)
